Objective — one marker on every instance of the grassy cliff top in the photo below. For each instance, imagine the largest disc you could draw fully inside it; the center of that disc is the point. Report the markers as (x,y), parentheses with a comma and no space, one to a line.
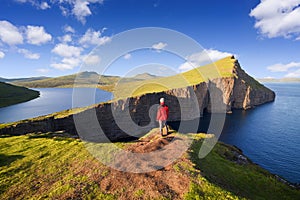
(220,68)
(140,84)
(11,94)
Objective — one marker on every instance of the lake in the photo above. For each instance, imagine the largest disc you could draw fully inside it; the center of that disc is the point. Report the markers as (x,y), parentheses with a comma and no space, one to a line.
(50,100)
(269,134)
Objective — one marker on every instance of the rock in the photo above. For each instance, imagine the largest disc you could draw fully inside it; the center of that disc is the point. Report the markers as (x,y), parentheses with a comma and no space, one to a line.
(135,116)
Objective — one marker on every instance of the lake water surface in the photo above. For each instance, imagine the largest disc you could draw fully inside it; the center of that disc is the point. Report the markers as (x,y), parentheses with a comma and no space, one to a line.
(50,100)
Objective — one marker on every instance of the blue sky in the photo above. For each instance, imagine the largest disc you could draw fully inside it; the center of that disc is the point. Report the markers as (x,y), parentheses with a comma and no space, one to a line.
(52,37)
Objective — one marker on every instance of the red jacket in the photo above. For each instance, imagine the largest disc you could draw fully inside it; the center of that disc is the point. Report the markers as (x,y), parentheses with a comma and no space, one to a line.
(162,112)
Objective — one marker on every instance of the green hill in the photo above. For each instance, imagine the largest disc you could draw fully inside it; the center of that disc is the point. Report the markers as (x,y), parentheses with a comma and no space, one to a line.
(10,94)
(144,76)
(10,80)
(83,79)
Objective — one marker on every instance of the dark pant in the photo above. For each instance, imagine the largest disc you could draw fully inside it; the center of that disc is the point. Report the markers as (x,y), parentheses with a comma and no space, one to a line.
(162,124)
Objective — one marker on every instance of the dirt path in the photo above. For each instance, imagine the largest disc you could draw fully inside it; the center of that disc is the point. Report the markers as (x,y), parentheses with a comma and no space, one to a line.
(165,182)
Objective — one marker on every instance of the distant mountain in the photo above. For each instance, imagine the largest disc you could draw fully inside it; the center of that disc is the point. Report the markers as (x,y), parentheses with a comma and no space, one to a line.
(145,76)
(11,94)
(281,80)
(23,79)
(83,79)
(3,79)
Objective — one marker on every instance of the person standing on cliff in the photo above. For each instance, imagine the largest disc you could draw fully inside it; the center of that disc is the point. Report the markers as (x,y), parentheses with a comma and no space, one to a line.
(162,115)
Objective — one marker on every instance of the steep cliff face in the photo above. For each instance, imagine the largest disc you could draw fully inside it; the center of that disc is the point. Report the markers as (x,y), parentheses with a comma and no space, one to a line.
(247,92)
(136,115)
(241,91)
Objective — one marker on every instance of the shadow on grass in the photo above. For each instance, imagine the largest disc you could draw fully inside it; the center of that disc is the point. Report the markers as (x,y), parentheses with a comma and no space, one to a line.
(7,159)
(57,136)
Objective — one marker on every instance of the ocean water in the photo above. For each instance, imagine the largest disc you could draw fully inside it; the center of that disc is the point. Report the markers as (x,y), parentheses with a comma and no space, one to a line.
(270,134)
(50,100)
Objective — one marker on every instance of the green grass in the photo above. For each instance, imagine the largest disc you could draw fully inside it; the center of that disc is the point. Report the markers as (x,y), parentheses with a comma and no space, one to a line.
(43,166)
(53,166)
(248,181)
(10,94)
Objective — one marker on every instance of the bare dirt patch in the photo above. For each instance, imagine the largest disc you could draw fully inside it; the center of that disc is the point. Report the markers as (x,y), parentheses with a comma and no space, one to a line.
(163,183)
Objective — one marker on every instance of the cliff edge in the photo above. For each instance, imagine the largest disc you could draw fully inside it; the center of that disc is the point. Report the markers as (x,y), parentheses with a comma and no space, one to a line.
(133,109)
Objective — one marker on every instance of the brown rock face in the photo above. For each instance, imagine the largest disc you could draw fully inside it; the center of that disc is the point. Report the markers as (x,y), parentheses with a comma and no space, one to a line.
(136,115)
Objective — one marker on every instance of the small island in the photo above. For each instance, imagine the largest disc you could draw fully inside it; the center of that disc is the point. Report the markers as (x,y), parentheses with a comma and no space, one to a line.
(11,94)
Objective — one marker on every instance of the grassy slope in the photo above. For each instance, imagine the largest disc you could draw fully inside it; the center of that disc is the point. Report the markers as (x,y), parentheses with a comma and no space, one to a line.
(84,79)
(249,181)
(48,166)
(10,94)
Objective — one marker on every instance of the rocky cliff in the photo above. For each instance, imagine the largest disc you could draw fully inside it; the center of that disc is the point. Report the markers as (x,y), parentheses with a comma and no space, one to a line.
(134,116)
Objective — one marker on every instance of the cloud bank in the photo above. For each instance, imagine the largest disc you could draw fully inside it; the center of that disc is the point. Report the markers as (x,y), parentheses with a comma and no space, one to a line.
(292,69)
(278,18)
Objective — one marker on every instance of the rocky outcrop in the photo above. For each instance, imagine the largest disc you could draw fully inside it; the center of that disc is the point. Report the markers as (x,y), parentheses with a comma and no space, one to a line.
(134,116)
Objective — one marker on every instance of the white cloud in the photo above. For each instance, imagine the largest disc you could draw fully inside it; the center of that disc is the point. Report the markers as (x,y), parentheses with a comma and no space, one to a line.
(81,10)
(67,63)
(22,1)
(37,35)
(201,58)
(2,54)
(68,29)
(291,69)
(10,34)
(92,60)
(71,56)
(269,77)
(28,54)
(283,67)
(43,70)
(294,74)
(44,5)
(127,56)
(159,46)
(92,37)
(275,18)
(64,11)
(65,50)
(66,38)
